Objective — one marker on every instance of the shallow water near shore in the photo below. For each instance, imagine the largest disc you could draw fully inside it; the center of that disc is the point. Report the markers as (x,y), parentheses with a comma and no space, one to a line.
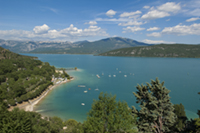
(181,76)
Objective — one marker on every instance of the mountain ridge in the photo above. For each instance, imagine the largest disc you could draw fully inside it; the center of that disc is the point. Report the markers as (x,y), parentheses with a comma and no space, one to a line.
(80,47)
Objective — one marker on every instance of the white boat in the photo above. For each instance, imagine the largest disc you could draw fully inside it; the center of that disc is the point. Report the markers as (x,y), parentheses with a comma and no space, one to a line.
(119,71)
(96,89)
(125,75)
(114,75)
(109,75)
(98,76)
(85,91)
(83,104)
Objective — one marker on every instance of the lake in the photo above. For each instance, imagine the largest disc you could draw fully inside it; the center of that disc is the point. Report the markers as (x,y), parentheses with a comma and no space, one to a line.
(181,76)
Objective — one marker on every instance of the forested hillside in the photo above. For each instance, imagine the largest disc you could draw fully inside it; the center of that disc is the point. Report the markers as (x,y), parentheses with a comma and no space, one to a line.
(22,77)
(162,50)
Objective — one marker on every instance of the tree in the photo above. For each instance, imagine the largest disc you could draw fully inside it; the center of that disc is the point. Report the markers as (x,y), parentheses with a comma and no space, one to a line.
(181,119)
(107,115)
(156,113)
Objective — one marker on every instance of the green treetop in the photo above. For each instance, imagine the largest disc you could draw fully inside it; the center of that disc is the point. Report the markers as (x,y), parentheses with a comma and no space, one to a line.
(157,112)
(109,116)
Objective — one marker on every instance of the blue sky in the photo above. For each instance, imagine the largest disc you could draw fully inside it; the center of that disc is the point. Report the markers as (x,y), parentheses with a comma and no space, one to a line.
(150,21)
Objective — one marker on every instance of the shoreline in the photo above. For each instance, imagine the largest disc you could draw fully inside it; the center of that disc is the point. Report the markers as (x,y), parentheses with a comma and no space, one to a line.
(29,106)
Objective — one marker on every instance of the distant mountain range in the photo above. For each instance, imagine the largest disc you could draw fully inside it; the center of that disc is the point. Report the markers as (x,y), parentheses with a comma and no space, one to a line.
(81,47)
(161,50)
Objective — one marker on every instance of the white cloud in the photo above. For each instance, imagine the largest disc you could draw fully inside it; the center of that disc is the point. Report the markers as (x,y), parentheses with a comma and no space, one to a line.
(193,29)
(146,7)
(153,28)
(129,14)
(41,29)
(113,19)
(132,29)
(130,23)
(168,19)
(162,11)
(111,13)
(156,41)
(68,34)
(154,34)
(192,19)
(91,23)
(155,14)
(170,7)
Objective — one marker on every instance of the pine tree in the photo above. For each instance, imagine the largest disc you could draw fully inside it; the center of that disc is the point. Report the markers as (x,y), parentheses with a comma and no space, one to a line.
(181,119)
(156,113)
(109,116)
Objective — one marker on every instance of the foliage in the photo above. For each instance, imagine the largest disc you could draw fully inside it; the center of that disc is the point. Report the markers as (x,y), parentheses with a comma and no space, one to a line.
(108,115)
(161,50)
(156,113)
(181,119)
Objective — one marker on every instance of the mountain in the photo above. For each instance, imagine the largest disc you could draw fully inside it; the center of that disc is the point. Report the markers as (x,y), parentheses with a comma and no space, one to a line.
(161,50)
(81,47)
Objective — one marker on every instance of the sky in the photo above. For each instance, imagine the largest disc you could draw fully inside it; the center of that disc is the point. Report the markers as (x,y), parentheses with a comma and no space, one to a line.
(149,21)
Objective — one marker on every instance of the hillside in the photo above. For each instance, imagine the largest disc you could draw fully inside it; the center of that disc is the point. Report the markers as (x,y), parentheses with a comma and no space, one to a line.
(22,77)
(81,47)
(161,50)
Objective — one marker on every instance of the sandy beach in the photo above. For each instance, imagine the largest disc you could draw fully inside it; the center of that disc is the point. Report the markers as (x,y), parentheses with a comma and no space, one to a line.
(28,106)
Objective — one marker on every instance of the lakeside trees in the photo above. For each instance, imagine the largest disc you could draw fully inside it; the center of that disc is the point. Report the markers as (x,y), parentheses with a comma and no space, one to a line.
(157,112)
(109,116)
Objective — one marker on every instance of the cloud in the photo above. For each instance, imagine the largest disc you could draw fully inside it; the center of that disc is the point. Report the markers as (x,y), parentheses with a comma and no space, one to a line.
(130,23)
(68,34)
(111,13)
(154,34)
(162,11)
(155,14)
(41,29)
(179,30)
(193,29)
(146,7)
(156,41)
(153,28)
(169,7)
(113,19)
(132,29)
(92,23)
(129,14)
(192,19)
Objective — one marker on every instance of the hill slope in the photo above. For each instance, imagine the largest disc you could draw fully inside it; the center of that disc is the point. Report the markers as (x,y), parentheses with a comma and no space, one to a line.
(162,50)
(81,47)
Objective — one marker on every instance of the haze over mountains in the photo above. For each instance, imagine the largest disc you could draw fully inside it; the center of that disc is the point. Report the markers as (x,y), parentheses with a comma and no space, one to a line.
(81,47)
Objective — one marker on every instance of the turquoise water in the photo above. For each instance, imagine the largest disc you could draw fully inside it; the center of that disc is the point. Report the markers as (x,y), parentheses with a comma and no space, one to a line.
(181,76)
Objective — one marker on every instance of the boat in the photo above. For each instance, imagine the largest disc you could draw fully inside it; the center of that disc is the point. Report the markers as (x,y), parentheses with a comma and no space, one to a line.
(81,85)
(119,71)
(98,76)
(83,104)
(114,75)
(85,91)
(125,75)
(96,89)
(109,75)
(89,89)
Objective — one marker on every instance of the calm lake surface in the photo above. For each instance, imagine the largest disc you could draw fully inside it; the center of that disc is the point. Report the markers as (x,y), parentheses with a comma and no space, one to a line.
(181,76)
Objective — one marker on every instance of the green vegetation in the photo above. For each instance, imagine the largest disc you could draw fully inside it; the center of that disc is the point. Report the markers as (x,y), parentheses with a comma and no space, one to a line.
(23,78)
(162,50)
(109,116)
(156,114)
